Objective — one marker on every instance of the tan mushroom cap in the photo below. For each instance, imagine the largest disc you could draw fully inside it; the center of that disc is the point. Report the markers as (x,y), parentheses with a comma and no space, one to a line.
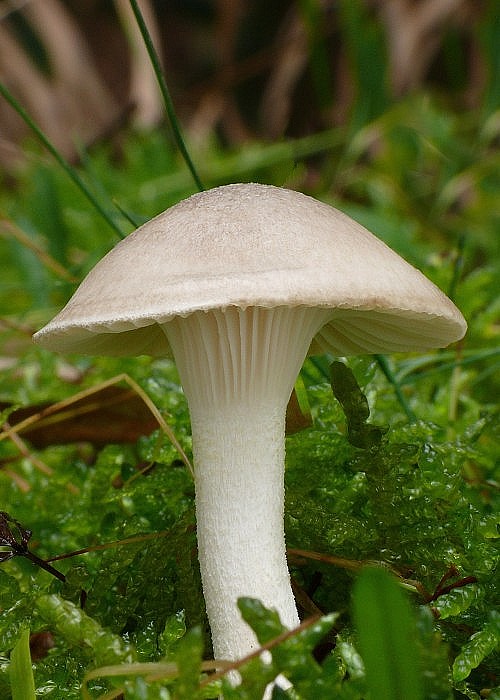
(253,245)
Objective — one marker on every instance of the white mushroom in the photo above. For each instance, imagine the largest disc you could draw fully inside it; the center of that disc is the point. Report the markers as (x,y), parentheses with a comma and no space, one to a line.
(240,283)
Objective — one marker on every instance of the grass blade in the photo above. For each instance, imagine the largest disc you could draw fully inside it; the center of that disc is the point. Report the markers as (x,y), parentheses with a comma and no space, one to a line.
(386,637)
(169,105)
(22,683)
(391,377)
(73,174)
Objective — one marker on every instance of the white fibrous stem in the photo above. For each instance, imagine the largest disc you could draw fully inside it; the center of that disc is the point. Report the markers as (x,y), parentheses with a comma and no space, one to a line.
(238,367)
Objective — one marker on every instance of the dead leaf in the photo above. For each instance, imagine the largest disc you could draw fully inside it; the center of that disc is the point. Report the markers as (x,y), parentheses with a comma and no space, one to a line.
(295,418)
(110,415)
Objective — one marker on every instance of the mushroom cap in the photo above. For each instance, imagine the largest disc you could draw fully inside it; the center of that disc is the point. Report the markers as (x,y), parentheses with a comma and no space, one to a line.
(253,245)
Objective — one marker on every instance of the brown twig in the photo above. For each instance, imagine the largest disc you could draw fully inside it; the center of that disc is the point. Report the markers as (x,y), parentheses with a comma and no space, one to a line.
(235,665)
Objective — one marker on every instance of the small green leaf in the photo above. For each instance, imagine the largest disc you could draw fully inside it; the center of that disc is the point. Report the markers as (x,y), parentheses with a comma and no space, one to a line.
(479,646)
(175,629)
(489,526)
(21,673)
(188,658)
(265,623)
(355,406)
(348,393)
(457,601)
(350,659)
(386,637)
(79,629)
(293,656)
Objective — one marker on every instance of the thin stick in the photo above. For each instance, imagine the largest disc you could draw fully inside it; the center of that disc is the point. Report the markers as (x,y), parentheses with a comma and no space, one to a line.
(44,565)
(234,666)
(57,407)
(16,232)
(109,545)
(36,461)
(351,564)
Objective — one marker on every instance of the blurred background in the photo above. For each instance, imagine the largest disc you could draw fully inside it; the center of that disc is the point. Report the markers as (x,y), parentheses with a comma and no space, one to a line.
(388,109)
(242,69)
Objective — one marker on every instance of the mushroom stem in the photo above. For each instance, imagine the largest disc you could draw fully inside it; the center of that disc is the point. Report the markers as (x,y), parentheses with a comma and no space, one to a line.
(239,511)
(238,368)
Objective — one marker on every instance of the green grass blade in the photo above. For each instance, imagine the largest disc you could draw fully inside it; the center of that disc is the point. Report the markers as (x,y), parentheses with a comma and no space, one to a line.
(458,267)
(391,377)
(312,13)
(169,105)
(22,683)
(366,52)
(73,174)
(386,635)
(131,218)
(419,369)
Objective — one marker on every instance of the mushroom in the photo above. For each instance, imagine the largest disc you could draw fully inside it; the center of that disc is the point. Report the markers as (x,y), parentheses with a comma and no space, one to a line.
(238,284)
